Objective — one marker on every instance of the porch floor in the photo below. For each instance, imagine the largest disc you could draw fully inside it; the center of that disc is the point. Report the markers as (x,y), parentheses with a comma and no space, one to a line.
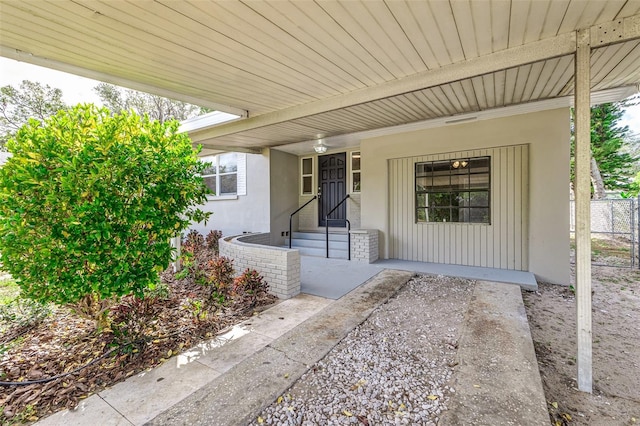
(333,278)
(524,279)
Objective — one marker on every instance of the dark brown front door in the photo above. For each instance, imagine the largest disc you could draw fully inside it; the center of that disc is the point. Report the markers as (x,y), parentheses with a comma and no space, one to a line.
(332,186)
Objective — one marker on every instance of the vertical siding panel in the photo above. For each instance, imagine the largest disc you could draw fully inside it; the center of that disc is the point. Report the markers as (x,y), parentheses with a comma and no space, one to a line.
(407,212)
(517,202)
(495,206)
(407,209)
(396,204)
(401,210)
(392,213)
(504,196)
(460,255)
(398,186)
(525,208)
(511,166)
(401,237)
(393,253)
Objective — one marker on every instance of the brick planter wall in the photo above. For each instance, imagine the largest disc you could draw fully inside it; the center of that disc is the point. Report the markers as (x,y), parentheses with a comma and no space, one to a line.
(364,245)
(279,266)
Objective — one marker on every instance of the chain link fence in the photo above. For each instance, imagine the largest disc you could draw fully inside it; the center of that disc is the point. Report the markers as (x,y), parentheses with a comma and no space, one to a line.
(614,232)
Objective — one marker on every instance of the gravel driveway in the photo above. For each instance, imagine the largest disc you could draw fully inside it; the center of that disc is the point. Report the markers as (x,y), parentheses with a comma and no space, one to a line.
(392,369)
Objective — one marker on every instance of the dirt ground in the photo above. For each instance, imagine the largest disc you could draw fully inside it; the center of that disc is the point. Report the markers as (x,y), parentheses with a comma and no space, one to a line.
(616,349)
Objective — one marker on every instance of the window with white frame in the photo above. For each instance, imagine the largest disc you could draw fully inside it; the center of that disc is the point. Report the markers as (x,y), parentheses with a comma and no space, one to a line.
(355,171)
(456,190)
(225,175)
(306,176)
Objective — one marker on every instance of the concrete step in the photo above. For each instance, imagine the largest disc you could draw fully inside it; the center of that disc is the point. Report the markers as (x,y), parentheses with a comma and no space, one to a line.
(333,236)
(298,242)
(334,253)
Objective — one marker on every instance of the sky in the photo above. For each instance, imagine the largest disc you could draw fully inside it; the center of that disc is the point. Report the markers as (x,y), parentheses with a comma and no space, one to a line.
(77,89)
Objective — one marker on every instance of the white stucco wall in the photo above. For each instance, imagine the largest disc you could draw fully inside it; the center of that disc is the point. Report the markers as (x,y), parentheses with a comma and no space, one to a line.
(547,134)
(284,193)
(244,213)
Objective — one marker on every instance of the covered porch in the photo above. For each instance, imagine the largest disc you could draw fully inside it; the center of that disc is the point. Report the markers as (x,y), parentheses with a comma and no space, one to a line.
(297,73)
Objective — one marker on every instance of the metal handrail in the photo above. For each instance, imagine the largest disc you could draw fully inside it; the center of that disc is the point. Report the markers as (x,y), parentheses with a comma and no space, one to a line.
(348,237)
(292,214)
(326,223)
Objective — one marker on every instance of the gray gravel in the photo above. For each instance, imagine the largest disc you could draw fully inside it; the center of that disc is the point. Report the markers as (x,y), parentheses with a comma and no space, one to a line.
(393,369)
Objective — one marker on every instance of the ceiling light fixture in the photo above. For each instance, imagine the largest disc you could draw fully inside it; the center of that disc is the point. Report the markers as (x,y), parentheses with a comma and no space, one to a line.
(320,147)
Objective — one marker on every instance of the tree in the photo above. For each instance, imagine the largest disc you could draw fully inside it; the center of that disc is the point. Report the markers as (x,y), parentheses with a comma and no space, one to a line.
(88,202)
(30,100)
(157,107)
(611,165)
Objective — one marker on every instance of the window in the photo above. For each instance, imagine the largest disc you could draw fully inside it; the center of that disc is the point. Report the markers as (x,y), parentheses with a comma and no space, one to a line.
(307,176)
(225,174)
(455,190)
(355,171)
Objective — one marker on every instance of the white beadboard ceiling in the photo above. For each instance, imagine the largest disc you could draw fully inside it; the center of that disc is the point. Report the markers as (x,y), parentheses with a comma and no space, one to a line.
(301,69)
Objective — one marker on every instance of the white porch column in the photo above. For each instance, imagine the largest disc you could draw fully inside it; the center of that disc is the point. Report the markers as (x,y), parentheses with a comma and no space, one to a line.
(583,205)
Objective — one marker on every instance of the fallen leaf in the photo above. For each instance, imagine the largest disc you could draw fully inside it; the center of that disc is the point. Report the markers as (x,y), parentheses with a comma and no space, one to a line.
(286,376)
(347,413)
(260,420)
(476,386)
(279,401)
(554,404)
(566,416)
(363,420)
(432,397)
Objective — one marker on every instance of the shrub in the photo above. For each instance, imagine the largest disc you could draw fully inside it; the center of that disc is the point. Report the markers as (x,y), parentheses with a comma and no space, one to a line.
(89,201)
(250,286)
(130,317)
(193,242)
(212,241)
(219,276)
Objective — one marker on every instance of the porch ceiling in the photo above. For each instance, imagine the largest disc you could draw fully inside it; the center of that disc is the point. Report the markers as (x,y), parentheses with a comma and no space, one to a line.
(302,69)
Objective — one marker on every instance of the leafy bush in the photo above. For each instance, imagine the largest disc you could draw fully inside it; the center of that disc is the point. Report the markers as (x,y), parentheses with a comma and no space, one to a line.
(250,286)
(219,275)
(193,242)
(130,317)
(212,241)
(89,201)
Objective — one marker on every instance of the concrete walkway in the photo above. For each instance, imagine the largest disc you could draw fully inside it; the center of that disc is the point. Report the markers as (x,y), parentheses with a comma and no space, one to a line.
(229,380)
(146,395)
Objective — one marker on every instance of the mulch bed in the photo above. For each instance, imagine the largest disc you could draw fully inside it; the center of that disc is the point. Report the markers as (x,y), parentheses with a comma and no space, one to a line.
(68,360)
